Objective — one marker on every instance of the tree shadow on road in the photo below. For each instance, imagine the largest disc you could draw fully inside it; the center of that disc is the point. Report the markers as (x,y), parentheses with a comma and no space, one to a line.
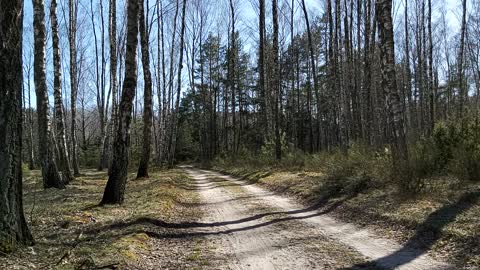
(427,233)
(329,202)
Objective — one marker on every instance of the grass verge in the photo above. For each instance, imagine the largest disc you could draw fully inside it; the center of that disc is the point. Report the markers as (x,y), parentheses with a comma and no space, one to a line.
(442,220)
(72,232)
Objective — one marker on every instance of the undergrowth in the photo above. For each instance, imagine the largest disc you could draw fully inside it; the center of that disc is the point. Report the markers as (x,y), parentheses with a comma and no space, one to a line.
(433,203)
(72,231)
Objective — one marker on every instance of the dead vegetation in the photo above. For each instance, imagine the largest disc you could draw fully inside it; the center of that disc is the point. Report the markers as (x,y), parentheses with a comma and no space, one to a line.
(73,232)
(442,220)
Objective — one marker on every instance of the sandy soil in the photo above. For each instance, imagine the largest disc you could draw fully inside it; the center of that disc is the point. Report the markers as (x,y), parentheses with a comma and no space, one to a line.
(252,228)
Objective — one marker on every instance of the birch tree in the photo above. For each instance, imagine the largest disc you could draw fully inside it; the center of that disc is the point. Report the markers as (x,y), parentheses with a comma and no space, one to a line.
(47,146)
(112,30)
(72,37)
(115,189)
(179,87)
(147,96)
(388,81)
(64,161)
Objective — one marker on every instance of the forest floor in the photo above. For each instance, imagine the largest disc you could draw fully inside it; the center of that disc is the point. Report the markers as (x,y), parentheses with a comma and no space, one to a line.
(72,232)
(188,218)
(441,222)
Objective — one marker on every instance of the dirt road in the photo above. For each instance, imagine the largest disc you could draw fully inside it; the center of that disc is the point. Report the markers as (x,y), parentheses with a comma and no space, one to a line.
(252,228)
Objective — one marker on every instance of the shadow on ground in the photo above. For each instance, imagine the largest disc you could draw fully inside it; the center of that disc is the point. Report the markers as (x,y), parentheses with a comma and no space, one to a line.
(331,200)
(427,233)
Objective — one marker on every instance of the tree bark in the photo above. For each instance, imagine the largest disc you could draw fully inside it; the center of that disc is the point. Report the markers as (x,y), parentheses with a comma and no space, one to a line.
(13,227)
(147,97)
(72,5)
(115,189)
(102,101)
(50,175)
(30,142)
(367,78)
(431,87)
(408,75)
(312,62)
(169,123)
(261,72)
(463,91)
(64,161)
(179,88)
(112,29)
(232,75)
(276,82)
(162,84)
(394,106)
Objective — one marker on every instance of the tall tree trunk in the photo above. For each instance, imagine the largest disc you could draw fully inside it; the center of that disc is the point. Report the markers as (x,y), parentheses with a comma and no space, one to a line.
(293,122)
(50,175)
(232,75)
(431,87)
(356,102)
(31,156)
(72,6)
(100,86)
(395,109)
(314,69)
(338,75)
(463,89)
(64,161)
(421,65)
(147,97)
(169,138)
(104,158)
(162,83)
(349,128)
(112,29)
(13,227)
(330,63)
(276,82)
(261,72)
(179,88)
(367,83)
(115,189)
(408,72)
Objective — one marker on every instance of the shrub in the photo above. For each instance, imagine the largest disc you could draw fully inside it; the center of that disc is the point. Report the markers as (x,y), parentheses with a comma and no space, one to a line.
(424,158)
(89,157)
(466,163)
(445,138)
(7,243)
(454,147)
(358,162)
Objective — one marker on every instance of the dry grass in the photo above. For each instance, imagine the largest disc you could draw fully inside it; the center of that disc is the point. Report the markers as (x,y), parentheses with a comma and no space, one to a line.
(72,232)
(443,220)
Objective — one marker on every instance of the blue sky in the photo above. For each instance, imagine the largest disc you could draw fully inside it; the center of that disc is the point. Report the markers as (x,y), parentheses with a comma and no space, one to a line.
(247,23)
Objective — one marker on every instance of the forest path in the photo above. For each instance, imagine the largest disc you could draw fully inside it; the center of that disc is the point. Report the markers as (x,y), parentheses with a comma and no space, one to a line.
(255,229)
